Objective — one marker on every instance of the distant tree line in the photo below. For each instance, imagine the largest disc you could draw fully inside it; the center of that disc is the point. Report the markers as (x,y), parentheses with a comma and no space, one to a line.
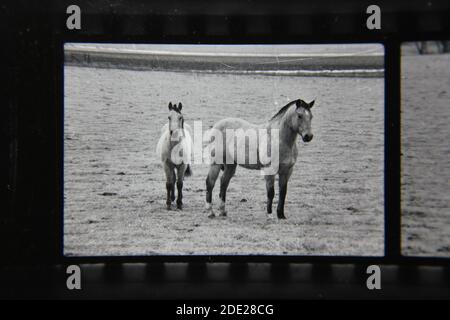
(424,47)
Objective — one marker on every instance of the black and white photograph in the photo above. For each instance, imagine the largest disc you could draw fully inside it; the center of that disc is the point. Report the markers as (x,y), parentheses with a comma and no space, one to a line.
(241,150)
(425,151)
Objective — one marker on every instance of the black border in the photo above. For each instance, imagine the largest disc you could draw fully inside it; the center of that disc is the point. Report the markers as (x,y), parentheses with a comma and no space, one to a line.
(34,33)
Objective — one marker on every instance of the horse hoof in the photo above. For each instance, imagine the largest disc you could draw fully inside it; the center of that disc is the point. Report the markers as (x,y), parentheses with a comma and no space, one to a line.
(223,213)
(211,215)
(281,217)
(168,207)
(179,206)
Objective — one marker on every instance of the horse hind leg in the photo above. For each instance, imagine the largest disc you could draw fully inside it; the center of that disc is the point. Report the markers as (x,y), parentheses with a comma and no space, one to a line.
(228,173)
(213,173)
(270,179)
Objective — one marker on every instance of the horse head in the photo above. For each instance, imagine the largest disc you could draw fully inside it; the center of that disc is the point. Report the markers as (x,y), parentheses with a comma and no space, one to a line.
(301,119)
(176,121)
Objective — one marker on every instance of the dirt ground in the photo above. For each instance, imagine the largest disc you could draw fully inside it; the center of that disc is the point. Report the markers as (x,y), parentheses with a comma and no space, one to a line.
(425,155)
(115,188)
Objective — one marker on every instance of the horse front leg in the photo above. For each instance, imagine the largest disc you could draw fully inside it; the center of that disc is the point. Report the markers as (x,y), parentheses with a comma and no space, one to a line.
(180,177)
(283,181)
(270,179)
(172,191)
(170,176)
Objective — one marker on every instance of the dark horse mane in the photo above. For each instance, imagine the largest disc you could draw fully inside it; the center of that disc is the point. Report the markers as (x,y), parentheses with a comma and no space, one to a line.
(283,110)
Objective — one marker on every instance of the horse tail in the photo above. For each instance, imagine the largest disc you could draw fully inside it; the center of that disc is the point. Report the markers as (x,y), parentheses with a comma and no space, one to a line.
(188,171)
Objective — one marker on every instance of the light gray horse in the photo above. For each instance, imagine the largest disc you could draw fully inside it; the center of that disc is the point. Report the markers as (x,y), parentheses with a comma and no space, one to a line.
(292,120)
(175,151)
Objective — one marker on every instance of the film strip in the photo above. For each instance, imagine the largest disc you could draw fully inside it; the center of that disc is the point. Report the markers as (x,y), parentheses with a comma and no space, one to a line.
(34,222)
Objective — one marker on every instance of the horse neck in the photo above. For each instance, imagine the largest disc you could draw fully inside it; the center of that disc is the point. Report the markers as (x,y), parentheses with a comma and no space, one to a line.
(287,135)
(173,143)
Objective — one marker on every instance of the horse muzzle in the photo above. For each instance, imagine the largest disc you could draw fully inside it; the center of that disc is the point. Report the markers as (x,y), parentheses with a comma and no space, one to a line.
(176,135)
(307,137)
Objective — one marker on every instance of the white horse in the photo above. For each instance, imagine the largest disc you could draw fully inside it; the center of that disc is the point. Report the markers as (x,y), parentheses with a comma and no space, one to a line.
(292,120)
(174,149)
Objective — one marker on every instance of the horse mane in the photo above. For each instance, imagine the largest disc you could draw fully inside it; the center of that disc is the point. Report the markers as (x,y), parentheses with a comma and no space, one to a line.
(283,110)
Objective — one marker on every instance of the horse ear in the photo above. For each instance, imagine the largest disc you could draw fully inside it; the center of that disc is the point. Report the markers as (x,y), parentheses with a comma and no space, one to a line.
(311,104)
(180,106)
(170,106)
